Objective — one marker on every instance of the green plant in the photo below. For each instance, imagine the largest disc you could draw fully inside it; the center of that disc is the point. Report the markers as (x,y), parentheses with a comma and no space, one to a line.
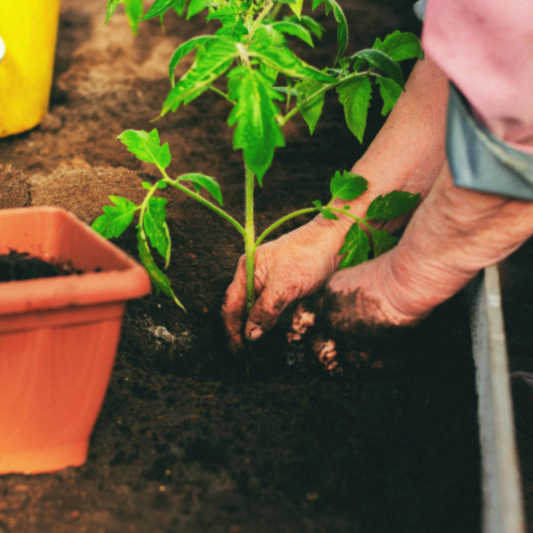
(267,85)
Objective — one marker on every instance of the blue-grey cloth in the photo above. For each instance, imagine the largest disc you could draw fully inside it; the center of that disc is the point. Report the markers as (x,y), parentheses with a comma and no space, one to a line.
(478,160)
(420,9)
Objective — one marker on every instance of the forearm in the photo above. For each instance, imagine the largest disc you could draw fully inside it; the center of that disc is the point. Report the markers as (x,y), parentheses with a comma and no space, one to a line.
(408,152)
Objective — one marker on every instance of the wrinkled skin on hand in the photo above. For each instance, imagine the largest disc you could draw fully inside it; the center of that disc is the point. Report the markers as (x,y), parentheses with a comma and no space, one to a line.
(454,234)
(287,269)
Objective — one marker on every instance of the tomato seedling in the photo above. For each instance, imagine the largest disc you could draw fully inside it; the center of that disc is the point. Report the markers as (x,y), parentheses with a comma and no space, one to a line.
(248,62)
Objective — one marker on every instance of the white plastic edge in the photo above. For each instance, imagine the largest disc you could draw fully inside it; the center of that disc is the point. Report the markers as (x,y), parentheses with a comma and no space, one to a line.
(2,49)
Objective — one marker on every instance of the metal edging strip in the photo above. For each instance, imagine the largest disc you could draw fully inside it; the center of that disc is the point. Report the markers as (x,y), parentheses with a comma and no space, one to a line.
(503,509)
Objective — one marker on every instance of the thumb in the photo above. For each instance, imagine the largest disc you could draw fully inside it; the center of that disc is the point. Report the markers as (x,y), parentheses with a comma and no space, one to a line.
(264,314)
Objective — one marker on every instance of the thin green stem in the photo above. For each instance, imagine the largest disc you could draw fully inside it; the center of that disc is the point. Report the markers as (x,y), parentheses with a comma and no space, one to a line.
(276,10)
(282,121)
(221,93)
(281,221)
(259,19)
(348,214)
(207,203)
(249,239)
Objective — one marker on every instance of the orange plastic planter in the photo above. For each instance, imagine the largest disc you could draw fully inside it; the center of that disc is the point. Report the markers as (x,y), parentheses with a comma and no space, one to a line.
(58,338)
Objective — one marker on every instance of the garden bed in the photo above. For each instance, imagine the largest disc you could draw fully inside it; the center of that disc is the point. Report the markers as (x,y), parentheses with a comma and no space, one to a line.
(190,438)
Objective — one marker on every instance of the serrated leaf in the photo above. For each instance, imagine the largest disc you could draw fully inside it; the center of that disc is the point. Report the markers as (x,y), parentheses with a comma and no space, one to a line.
(180,6)
(110,9)
(390,92)
(296,30)
(381,60)
(347,186)
(254,115)
(159,279)
(207,182)
(311,111)
(154,225)
(313,26)
(159,7)
(134,11)
(212,60)
(382,241)
(392,205)
(326,212)
(400,46)
(297,7)
(146,146)
(116,218)
(266,48)
(356,247)
(195,7)
(184,49)
(342,31)
(355,96)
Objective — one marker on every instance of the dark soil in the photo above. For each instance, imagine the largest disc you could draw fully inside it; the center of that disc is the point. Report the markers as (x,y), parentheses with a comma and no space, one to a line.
(20,266)
(190,438)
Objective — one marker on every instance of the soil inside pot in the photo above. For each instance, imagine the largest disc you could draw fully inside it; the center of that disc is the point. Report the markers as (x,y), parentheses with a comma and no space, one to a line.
(20,266)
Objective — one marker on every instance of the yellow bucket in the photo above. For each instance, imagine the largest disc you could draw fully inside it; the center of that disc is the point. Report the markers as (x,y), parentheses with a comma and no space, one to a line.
(29,33)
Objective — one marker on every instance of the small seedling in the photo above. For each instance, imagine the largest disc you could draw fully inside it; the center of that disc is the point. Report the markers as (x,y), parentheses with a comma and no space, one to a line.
(267,84)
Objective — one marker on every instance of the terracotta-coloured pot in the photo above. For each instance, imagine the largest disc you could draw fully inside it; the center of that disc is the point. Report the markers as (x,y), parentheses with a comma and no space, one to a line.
(58,338)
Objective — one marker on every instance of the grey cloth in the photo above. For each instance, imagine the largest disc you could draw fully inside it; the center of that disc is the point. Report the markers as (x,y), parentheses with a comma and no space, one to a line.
(480,161)
(420,8)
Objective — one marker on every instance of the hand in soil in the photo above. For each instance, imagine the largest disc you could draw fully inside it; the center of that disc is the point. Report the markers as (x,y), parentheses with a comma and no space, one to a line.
(288,269)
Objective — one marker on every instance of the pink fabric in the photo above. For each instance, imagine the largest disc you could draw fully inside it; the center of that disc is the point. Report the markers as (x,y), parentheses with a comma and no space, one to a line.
(486,48)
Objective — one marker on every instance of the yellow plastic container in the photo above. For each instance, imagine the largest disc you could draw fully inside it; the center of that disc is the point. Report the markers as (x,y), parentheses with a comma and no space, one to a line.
(29,32)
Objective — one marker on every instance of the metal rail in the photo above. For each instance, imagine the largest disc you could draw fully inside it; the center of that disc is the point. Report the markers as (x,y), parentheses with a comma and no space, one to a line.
(503,508)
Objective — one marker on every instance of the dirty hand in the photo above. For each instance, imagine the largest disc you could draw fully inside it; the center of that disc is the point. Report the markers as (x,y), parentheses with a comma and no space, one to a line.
(287,269)
(453,235)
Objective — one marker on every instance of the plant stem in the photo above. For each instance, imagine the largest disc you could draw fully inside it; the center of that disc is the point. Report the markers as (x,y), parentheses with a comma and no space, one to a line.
(281,221)
(353,217)
(203,201)
(259,19)
(282,121)
(221,93)
(249,239)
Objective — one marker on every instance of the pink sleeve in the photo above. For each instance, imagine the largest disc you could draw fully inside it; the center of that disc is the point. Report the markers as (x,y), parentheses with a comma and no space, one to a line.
(486,48)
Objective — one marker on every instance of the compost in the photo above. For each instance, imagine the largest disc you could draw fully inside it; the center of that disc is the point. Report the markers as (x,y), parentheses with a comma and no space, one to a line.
(192,438)
(20,266)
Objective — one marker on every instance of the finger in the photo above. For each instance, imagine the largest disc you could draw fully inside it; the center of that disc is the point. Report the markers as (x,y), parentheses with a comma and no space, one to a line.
(234,308)
(264,314)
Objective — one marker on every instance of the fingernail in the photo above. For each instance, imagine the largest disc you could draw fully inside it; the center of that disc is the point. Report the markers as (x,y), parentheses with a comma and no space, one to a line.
(255,333)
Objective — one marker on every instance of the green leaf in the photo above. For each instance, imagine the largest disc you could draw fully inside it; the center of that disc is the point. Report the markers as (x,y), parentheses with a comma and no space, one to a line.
(400,46)
(212,60)
(146,147)
(111,8)
(381,60)
(342,32)
(116,219)
(326,212)
(134,11)
(355,96)
(297,8)
(195,7)
(316,3)
(180,6)
(347,186)
(268,49)
(184,49)
(207,182)
(390,92)
(310,111)
(160,281)
(392,205)
(382,241)
(313,26)
(356,247)
(257,131)
(155,226)
(295,30)
(159,7)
